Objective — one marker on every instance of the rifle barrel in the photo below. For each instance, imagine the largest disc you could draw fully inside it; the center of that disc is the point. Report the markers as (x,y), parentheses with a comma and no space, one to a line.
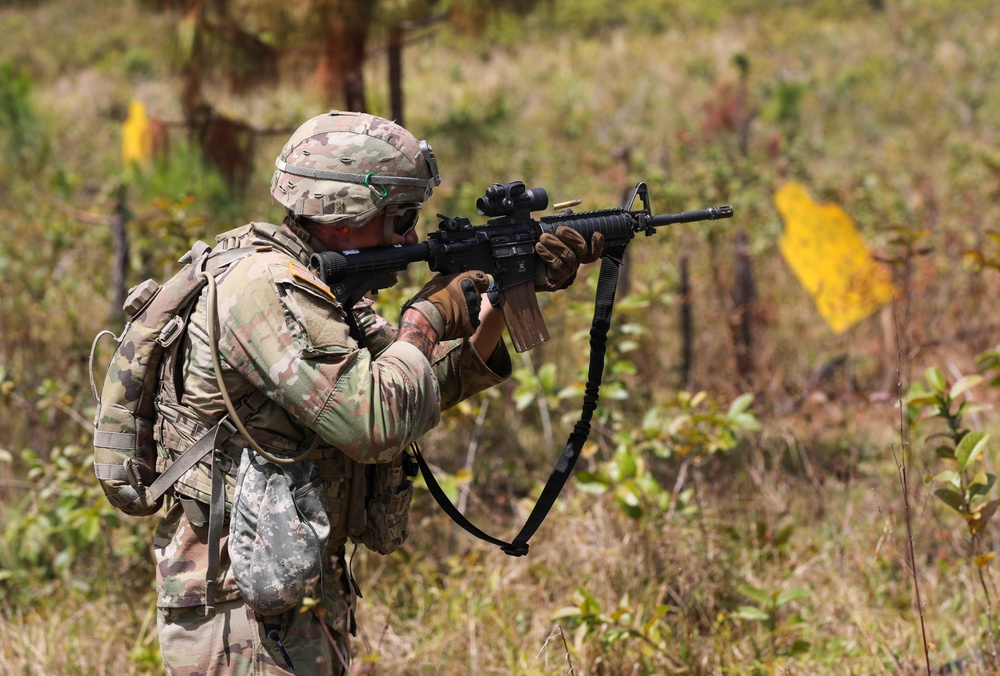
(709,214)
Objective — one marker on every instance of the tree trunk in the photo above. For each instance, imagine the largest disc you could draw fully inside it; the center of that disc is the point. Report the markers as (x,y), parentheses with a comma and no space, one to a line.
(119,245)
(687,325)
(341,73)
(396,74)
(744,296)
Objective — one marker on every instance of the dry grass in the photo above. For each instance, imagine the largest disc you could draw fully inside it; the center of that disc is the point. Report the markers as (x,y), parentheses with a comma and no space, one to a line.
(78,638)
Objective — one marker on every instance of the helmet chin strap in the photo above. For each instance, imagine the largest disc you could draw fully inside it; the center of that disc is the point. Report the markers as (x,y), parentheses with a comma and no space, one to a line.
(388,223)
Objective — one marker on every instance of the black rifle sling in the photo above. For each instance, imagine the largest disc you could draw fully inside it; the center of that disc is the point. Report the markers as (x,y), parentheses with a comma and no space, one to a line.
(603,306)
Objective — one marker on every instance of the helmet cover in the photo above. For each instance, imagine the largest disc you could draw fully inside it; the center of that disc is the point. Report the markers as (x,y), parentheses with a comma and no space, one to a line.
(342,168)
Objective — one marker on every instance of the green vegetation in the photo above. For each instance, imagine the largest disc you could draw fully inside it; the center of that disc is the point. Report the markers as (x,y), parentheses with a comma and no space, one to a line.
(719,523)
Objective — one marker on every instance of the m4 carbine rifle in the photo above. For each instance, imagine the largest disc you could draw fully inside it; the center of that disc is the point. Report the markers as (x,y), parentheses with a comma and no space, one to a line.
(505,249)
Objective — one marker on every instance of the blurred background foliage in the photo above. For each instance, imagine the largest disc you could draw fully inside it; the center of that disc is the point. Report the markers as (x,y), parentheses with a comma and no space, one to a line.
(732,514)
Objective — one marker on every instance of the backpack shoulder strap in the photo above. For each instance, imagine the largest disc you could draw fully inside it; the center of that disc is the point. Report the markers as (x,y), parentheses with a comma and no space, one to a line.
(212,264)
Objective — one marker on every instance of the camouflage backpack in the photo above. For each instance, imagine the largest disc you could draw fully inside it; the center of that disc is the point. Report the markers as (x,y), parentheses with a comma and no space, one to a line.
(156,316)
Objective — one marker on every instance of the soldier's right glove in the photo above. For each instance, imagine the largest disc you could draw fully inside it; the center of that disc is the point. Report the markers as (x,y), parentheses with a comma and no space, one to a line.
(451,303)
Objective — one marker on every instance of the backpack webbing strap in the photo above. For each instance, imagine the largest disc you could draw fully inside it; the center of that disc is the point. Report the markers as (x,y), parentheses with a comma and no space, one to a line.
(118,473)
(603,306)
(211,440)
(223,259)
(216,517)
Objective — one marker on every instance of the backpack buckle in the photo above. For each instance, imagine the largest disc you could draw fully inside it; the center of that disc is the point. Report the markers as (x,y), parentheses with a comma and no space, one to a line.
(173,329)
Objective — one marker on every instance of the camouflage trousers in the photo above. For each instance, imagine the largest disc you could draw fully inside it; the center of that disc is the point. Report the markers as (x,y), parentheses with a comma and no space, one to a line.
(233,640)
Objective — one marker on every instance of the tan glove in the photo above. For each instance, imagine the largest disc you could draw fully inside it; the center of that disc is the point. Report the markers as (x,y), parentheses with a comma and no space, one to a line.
(451,303)
(561,254)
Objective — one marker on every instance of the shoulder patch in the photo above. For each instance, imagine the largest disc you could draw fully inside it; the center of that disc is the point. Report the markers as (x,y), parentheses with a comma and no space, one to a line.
(306,276)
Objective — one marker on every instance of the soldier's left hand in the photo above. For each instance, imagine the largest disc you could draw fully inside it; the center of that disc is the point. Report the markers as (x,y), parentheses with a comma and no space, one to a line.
(561,254)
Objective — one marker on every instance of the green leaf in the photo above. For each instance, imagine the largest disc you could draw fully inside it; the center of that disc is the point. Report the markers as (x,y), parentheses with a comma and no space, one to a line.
(593,484)
(90,528)
(970,447)
(919,400)
(651,421)
(740,404)
(757,595)
(985,361)
(524,400)
(746,421)
(614,390)
(660,612)
(547,376)
(588,604)
(632,511)
(950,476)
(980,485)
(964,384)
(566,613)
(783,536)
(945,452)
(981,515)
(751,613)
(572,390)
(628,495)
(790,595)
(626,463)
(623,367)
(799,647)
(951,498)
(936,379)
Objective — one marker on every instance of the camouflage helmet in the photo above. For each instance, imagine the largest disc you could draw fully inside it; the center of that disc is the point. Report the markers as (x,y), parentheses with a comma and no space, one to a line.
(342,168)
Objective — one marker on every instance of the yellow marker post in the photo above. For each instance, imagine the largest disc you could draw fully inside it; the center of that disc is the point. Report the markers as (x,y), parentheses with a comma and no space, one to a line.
(824,249)
(137,141)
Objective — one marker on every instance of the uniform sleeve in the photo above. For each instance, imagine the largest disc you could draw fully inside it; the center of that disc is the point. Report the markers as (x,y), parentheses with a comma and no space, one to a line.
(462,373)
(458,367)
(282,330)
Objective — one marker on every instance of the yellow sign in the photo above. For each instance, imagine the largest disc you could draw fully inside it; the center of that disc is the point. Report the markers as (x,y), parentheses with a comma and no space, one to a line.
(137,141)
(824,249)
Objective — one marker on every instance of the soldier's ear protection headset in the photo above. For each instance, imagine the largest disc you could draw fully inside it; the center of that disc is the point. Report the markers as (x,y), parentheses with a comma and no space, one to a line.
(401,218)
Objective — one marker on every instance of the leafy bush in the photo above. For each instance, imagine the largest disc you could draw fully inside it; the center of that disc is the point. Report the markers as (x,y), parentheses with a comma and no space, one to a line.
(63,539)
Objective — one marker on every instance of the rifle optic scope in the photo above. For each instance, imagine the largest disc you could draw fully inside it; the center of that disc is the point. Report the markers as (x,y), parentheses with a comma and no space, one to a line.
(506,199)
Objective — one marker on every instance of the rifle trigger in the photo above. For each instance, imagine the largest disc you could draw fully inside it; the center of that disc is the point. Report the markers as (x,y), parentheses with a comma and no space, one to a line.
(493,295)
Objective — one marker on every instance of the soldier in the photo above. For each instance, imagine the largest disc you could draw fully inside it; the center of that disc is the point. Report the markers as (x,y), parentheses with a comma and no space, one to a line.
(350,389)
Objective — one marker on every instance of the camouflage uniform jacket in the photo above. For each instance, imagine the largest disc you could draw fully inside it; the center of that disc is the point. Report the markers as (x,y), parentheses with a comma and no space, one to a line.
(281,333)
